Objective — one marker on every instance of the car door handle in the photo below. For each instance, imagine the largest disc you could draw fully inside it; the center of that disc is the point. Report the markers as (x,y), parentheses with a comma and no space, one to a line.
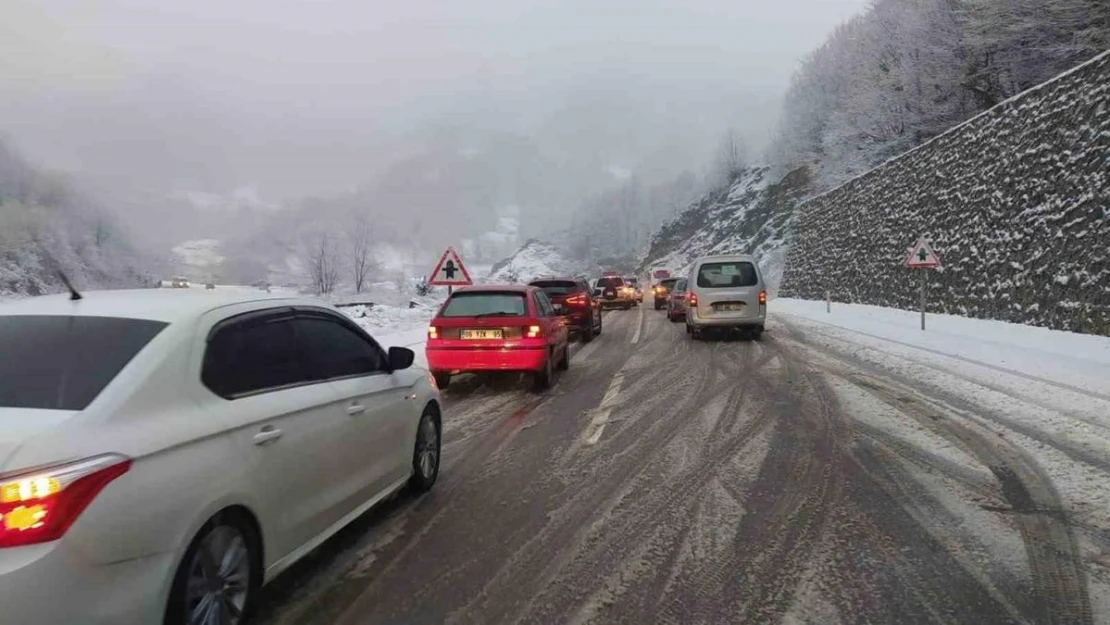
(356,409)
(269,434)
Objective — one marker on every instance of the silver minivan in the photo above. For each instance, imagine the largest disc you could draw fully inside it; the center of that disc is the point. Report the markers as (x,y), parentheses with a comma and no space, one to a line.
(726,292)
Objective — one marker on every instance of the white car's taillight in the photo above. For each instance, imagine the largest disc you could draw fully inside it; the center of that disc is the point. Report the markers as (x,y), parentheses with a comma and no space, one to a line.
(40,506)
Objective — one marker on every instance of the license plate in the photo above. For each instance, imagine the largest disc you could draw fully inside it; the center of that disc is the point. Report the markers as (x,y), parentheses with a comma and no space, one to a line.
(729,306)
(481,334)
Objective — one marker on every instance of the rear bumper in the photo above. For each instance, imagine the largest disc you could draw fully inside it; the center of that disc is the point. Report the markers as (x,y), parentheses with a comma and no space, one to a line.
(51,584)
(724,321)
(457,360)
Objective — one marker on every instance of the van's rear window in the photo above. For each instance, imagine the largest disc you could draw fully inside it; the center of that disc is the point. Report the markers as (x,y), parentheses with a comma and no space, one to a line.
(727,274)
(63,362)
(610,283)
(485,305)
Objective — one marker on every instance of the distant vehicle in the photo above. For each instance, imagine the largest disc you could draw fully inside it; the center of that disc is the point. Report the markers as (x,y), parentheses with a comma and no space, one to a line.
(638,292)
(614,293)
(726,292)
(139,516)
(660,274)
(676,301)
(180,282)
(574,300)
(210,286)
(662,292)
(497,328)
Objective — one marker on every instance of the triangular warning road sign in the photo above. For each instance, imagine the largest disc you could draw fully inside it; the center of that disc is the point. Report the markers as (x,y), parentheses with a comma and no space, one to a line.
(922,256)
(450,270)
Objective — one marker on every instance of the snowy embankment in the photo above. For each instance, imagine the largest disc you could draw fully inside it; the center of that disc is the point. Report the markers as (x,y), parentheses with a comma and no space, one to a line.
(1044,390)
(534,259)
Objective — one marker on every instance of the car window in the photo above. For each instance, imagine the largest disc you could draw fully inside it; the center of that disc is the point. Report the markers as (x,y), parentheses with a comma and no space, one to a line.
(557,287)
(668,283)
(610,283)
(488,304)
(543,305)
(724,274)
(63,362)
(252,356)
(680,286)
(332,350)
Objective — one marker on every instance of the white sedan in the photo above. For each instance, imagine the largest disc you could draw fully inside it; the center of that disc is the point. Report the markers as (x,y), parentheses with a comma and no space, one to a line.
(164,454)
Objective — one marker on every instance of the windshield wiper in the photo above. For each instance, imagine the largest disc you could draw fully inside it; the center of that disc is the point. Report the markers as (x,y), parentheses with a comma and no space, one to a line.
(500,313)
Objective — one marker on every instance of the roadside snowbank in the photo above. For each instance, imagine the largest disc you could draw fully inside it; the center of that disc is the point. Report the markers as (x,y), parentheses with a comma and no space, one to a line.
(394,326)
(1078,361)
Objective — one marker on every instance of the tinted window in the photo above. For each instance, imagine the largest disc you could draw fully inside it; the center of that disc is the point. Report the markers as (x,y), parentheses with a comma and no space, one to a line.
(610,283)
(727,274)
(253,356)
(680,286)
(485,304)
(668,283)
(543,305)
(632,281)
(63,362)
(333,350)
(557,287)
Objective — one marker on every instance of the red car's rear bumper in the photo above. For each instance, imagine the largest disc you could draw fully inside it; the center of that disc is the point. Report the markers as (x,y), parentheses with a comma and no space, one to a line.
(470,359)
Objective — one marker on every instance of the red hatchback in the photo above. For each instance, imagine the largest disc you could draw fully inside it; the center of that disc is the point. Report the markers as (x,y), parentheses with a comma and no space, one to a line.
(497,328)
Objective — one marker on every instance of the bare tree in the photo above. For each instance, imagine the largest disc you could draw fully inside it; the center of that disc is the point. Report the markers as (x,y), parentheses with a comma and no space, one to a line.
(733,155)
(323,265)
(361,242)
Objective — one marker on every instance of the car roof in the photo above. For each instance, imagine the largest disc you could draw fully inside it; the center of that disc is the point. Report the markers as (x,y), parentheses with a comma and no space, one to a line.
(495,288)
(719,257)
(155,304)
(556,279)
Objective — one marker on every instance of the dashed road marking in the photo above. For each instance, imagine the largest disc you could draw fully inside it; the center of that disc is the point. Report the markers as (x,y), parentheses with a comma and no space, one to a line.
(597,425)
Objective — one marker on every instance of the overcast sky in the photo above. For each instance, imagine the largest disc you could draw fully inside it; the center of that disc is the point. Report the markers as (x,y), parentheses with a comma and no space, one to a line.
(313,95)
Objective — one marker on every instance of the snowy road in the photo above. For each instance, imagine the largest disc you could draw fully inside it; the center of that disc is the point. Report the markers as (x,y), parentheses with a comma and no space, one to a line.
(827,474)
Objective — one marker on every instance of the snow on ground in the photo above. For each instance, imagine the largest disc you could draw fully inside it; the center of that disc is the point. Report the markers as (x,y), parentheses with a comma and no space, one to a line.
(1045,390)
(395,326)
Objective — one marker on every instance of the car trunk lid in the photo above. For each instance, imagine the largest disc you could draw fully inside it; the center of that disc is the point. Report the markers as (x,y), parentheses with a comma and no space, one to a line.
(18,425)
(741,302)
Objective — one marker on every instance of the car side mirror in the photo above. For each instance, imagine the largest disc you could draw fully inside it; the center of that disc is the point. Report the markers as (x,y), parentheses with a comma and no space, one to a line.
(400,358)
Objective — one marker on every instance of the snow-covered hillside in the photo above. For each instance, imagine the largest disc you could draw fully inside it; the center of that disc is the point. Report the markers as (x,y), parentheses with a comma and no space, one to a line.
(535,258)
(751,216)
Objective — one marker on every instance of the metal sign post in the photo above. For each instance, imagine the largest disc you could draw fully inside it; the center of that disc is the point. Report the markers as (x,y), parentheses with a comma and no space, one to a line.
(922,256)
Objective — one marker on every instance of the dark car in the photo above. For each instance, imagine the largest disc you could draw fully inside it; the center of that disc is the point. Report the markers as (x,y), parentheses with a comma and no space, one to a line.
(575,302)
(662,292)
(676,301)
(614,293)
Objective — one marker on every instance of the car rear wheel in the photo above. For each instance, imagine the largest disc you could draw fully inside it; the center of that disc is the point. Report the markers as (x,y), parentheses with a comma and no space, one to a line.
(443,380)
(219,576)
(587,332)
(425,453)
(564,362)
(757,334)
(541,380)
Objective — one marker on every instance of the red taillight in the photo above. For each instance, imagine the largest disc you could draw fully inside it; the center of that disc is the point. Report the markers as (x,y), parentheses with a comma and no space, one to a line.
(577,300)
(762,298)
(692,299)
(534,332)
(39,507)
(433,332)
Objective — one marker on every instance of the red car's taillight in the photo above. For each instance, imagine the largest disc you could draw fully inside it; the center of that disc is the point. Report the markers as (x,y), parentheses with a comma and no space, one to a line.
(39,507)
(534,332)
(433,332)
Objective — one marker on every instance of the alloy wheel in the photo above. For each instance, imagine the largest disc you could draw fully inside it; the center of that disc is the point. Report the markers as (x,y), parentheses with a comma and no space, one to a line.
(219,579)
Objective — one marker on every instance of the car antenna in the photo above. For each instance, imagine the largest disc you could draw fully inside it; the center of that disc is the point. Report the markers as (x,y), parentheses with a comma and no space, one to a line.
(73,294)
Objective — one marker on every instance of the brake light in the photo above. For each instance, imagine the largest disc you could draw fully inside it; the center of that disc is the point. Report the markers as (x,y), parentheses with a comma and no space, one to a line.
(433,332)
(762,298)
(39,507)
(534,332)
(577,300)
(692,299)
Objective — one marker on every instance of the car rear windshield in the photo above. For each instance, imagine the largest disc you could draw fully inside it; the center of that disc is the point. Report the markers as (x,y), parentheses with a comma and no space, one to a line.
(733,273)
(485,305)
(610,283)
(557,287)
(63,362)
(668,283)
(679,285)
